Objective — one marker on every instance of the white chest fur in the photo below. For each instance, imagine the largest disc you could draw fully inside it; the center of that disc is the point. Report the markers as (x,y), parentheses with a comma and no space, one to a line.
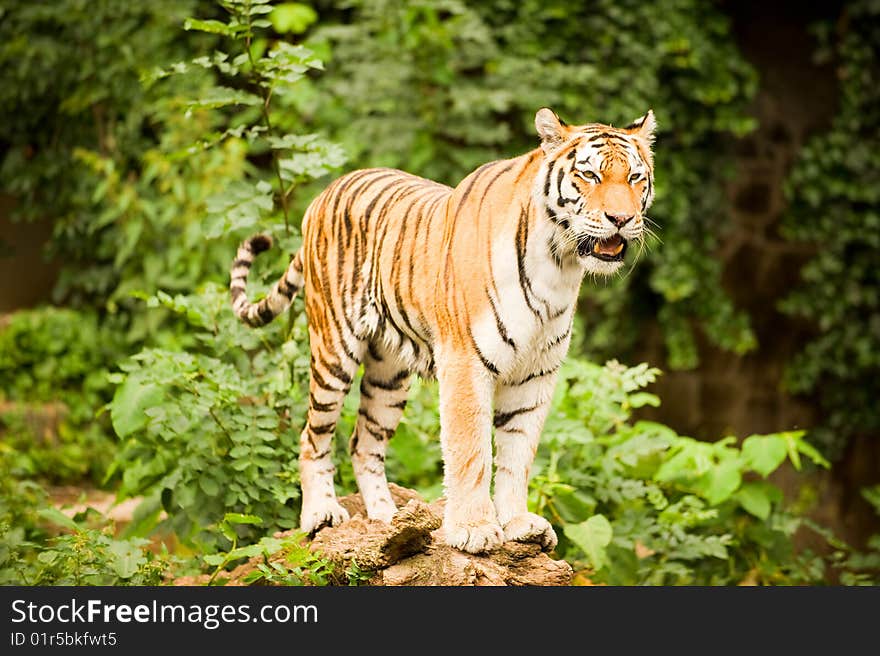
(528,324)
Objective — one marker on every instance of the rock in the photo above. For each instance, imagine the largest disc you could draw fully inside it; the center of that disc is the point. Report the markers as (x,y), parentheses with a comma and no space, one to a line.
(374,545)
(411,551)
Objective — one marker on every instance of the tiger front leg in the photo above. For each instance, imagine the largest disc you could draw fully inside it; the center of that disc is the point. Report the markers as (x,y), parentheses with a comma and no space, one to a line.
(520,411)
(466,388)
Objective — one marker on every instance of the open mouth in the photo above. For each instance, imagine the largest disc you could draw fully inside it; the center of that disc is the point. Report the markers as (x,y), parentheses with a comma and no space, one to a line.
(611,249)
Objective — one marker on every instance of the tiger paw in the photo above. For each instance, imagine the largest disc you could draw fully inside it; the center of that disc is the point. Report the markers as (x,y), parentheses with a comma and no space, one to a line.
(529,527)
(474,537)
(328,513)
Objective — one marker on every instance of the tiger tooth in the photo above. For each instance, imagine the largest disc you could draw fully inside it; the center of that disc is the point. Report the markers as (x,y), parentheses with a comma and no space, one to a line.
(618,249)
(596,247)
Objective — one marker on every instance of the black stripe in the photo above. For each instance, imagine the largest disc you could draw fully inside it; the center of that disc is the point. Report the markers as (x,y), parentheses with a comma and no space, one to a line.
(335,370)
(399,405)
(321,407)
(554,217)
(371,348)
(382,433)
(366,415)
(535,374)
(522,236)
(548,178)
(395,383)
(342,189)
(323,429)
(553,254)
(608,135)
(562,200)
(379,435)
(323,384)
(557,313)
(486,363)
(502,418)
(285,288)
(245,263)
(265,312)
(557,340)
(502,329)
(636,124)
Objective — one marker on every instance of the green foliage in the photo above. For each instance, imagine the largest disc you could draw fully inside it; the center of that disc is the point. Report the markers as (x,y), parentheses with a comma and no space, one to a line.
(441,86)
(636,504)
(215,428)
(863,567)
(209,419)
(834,199)
(33,552)
(209,430)
(291,562)
(53,367)
(75,114)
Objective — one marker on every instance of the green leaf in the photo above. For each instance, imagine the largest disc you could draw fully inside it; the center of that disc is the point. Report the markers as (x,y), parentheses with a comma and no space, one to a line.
(57,517)
(209,485)
(575,506)
(592,536)
(755,499)
(292,17)
(210,26)
(223,97)
(236,518)
(722,481)
(641,399)
(214,560)
(127,558)
(795,443)
(764,453)
(130,401)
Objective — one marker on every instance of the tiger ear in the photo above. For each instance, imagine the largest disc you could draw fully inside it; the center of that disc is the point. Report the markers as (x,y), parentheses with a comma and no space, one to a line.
(551,129)
(644,127)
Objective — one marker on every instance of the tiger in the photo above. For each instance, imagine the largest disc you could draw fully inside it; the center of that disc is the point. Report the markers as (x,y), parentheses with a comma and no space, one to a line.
(475,286)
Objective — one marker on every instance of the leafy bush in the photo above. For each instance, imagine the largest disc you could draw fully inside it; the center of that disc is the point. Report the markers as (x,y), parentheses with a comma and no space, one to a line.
(638,504)
(285,559)
(834,199)
(33,552)
(215,429)
(219,398)
(53,367)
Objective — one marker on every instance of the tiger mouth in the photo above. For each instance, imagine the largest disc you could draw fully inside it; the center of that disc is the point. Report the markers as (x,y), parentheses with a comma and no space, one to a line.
(611,249)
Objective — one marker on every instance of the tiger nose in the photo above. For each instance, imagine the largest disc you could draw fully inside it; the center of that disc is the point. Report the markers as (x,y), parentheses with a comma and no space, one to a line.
(620,220)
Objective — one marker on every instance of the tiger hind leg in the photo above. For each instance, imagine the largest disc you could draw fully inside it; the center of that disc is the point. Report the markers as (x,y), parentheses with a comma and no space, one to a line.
(384,389)
(329,382)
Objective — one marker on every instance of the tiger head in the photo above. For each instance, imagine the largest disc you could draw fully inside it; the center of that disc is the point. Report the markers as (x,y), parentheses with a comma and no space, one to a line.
(596,183)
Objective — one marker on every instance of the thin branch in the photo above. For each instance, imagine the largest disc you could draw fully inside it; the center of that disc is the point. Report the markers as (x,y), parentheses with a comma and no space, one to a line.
(266,95)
